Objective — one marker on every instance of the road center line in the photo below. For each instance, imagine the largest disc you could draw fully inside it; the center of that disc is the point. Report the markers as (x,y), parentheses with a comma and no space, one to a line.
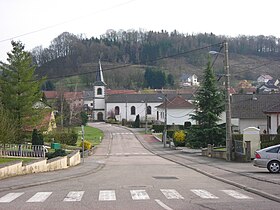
(163,205)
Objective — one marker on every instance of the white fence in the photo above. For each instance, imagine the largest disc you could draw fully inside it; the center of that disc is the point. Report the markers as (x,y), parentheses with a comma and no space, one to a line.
(22,150)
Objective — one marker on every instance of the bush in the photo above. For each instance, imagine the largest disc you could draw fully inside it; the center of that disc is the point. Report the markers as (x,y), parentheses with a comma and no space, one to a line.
(57,153)
(37,138)
(179,138)
(65,138)
(87,145)
(137,122)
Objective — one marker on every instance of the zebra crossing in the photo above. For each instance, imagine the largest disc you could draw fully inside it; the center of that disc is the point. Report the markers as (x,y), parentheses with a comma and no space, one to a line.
(110,195)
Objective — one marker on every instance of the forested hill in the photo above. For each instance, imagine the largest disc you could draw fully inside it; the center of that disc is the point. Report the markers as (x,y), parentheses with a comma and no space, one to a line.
(126,54)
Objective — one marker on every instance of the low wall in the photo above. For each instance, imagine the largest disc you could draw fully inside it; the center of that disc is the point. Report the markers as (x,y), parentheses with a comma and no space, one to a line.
(41,165)
(74,158)
(211,152)
(57,163)
(11,169)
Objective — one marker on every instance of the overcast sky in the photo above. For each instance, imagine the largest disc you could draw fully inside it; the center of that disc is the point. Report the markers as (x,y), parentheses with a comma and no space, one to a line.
(43,20)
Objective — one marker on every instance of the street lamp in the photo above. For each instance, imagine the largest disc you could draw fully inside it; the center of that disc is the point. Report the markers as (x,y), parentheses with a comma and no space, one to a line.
(165,120)
(227,101)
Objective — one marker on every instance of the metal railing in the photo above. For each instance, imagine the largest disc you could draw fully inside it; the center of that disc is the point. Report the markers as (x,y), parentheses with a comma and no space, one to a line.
(22,150)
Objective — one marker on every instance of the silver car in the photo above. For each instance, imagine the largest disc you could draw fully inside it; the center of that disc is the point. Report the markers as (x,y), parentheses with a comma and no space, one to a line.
(268,158)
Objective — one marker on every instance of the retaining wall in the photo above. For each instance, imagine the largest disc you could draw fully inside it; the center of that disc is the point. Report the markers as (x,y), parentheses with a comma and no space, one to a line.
(41,165)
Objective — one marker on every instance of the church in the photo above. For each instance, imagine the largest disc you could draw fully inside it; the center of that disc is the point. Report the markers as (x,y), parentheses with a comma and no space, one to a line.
(128,104)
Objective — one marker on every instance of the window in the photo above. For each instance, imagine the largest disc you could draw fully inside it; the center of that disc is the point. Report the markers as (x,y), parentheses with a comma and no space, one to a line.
(273,150)
(117,110)
(149,110)
(132,110)
(99,91)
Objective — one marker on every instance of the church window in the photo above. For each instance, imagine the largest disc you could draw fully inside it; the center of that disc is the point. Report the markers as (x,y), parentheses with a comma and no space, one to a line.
(99,91)
(117,110)
(132,110)
(149,110)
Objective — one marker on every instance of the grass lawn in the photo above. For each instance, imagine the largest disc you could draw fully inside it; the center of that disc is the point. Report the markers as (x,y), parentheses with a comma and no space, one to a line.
(6,160)
(93,135)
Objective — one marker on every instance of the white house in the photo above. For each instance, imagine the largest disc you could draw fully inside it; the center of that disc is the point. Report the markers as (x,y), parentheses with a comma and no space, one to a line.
(273,118)
(254,111)
(178,111)
(188,80)
(264,78)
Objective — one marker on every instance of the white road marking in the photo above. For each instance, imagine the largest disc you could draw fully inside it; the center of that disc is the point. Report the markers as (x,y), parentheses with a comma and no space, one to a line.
(139,195)
(74,196)
(10,197)
(163,205)
(204,194)
(39,197)
(171,194)
(107,195)
(236,194)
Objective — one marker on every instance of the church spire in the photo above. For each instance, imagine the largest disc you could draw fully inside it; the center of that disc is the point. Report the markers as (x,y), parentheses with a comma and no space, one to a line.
(99,74)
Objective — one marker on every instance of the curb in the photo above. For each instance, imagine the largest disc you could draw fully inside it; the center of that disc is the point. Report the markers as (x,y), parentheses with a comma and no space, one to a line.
(244,187)
(99,167)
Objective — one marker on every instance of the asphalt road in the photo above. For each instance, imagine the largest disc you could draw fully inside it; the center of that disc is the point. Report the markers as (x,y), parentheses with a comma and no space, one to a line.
(133,178)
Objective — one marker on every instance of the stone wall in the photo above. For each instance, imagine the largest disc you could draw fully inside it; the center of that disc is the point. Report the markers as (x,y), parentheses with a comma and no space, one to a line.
(40,165)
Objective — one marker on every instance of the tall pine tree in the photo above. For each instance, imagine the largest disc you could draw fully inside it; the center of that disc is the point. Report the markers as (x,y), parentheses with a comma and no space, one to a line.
(209,102)
(19,89)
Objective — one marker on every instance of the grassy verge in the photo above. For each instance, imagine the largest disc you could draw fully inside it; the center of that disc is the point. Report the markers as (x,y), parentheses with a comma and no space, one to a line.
(93,135)
(4,160)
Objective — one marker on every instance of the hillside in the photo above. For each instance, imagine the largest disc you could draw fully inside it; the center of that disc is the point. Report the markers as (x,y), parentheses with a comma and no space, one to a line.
(126,55)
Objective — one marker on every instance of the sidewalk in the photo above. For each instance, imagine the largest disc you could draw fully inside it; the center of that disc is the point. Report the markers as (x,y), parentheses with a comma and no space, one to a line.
(89,166)
(242,175)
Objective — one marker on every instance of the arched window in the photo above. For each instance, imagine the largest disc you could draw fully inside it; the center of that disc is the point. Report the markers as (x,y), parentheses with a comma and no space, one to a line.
(117,110)
(132,110)
(149,110)
(99,91)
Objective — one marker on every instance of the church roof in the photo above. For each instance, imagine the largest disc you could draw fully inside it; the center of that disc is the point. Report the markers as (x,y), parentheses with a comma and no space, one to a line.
(99,79)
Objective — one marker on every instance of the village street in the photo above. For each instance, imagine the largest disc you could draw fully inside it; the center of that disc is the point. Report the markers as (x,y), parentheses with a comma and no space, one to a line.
(134,171)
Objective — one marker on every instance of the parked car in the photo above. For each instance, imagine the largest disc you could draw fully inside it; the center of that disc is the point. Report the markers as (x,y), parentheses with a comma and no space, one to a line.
(268,158)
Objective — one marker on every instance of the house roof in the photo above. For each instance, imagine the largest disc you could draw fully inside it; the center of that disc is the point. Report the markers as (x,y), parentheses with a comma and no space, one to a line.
(249,106)
(66,95)
(177,102)
(272,109)
(140,98)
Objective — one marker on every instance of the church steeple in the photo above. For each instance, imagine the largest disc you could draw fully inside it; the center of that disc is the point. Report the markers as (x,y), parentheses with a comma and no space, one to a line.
(99,75)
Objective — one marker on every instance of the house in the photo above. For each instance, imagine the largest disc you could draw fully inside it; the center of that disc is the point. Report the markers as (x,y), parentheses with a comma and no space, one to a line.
(273,118)
(128,106)
(248,110)
(264,78)
(267,88)
(188,80)
(178,111)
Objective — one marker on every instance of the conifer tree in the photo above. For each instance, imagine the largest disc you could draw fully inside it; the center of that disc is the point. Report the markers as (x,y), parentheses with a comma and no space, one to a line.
(209,102)
(19,89)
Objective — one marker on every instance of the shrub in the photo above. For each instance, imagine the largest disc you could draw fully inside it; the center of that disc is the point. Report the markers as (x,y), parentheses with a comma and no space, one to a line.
(87,145)
(37,138)
(179,138)
(57,153)
(66,138)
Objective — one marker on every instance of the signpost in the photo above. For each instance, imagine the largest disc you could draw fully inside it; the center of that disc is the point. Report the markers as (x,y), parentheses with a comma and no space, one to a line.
(83,143)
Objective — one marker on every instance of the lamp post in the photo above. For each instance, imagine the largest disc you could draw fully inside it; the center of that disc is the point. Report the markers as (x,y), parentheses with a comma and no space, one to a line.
(165,120)
(227,101)
(146,113)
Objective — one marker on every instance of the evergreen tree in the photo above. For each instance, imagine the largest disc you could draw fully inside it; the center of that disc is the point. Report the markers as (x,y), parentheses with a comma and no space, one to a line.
(37,138)
(7,127)
(209,107)
(19,89)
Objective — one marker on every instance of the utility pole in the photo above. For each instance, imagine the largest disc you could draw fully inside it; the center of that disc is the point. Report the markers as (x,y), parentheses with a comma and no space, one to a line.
(146,113)
(228,106)
(165,121)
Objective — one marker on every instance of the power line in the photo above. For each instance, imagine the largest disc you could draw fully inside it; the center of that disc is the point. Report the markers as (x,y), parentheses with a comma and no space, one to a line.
(67,21)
